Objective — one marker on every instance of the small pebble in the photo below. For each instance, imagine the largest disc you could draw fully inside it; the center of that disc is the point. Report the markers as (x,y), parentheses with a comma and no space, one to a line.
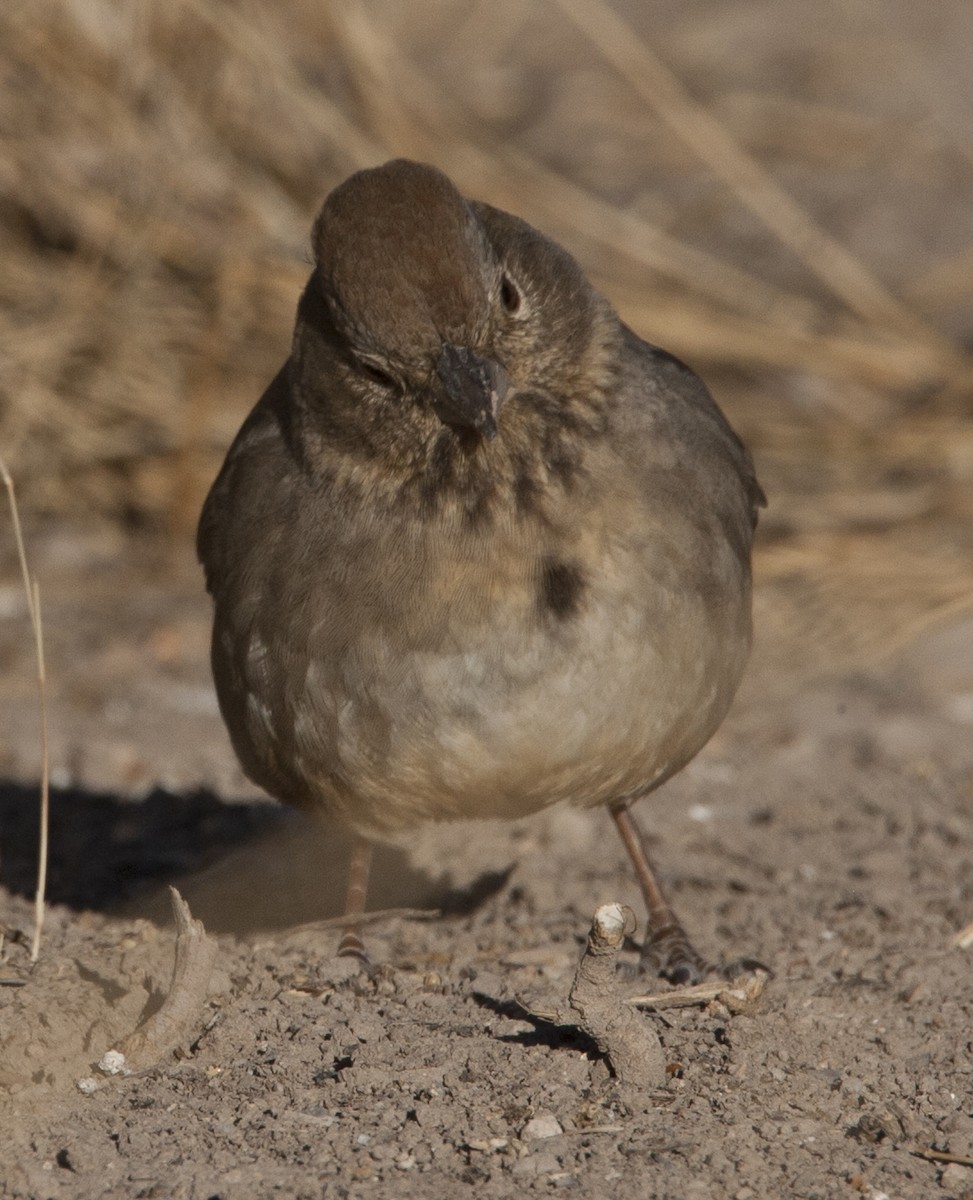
(956,1178)
(541,1125)
(113,1063)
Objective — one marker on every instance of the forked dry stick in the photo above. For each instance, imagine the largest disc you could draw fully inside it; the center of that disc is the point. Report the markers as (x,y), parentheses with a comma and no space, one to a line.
(627,1040)
(34,610)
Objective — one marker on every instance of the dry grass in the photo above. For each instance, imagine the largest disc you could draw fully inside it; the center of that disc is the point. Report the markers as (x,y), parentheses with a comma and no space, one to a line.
(33,596)
(160,164)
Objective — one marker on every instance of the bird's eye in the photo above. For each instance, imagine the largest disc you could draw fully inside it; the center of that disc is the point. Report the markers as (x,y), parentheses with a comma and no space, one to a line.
(376,374)
(510,296)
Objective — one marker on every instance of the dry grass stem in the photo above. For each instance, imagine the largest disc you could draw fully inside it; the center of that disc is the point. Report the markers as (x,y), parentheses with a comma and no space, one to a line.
(943,1156)
(698,330)
(33,594)
(178,1017)
(375,917)
(354,143)
(523,183)
(669,99)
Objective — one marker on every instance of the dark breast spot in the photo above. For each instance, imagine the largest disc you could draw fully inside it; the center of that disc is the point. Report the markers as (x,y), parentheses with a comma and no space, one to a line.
(561,588)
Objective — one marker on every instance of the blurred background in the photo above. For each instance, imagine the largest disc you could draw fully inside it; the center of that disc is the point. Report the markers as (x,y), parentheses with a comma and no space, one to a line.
(780,193)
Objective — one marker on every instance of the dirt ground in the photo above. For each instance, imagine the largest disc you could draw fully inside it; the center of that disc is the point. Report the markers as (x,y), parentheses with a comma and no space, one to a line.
(826,831)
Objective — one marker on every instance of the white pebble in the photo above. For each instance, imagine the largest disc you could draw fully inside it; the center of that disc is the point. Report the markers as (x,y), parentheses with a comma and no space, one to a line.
(113,1063)
(541,1125)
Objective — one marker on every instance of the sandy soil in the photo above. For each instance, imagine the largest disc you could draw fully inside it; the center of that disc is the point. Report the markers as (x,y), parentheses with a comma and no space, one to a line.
(826,831)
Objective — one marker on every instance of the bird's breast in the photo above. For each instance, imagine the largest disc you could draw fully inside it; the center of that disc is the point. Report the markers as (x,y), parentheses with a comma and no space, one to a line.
(496,677)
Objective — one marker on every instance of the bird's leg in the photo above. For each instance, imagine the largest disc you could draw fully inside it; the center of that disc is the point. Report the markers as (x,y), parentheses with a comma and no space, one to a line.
(666,949)
(359,866)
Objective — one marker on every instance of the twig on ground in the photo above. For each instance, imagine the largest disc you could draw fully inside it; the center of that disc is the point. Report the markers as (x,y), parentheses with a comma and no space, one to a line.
(34,611)
(173,1024)
(942,1156)
(371,918)
(631,1046)
(738,998)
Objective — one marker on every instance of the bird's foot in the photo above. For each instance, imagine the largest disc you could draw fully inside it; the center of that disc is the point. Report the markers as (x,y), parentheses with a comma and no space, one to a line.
(668,952)
(352,947)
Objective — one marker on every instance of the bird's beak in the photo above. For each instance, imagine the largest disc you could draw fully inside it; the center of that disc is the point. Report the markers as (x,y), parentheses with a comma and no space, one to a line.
(473,390)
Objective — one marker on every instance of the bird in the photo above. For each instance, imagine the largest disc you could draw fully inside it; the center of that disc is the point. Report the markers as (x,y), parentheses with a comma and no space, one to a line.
(478,549)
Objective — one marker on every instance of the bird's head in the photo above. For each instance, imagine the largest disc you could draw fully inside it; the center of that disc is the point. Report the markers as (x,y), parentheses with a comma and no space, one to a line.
(440,303)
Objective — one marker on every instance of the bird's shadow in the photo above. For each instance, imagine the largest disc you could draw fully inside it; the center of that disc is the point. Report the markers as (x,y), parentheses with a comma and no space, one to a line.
(243,867)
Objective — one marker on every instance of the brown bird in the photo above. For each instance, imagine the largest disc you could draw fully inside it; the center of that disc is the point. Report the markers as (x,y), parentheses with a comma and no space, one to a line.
(478,549)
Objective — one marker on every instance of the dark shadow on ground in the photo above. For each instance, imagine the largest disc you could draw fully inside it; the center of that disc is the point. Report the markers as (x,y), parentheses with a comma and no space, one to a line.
(242,867)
